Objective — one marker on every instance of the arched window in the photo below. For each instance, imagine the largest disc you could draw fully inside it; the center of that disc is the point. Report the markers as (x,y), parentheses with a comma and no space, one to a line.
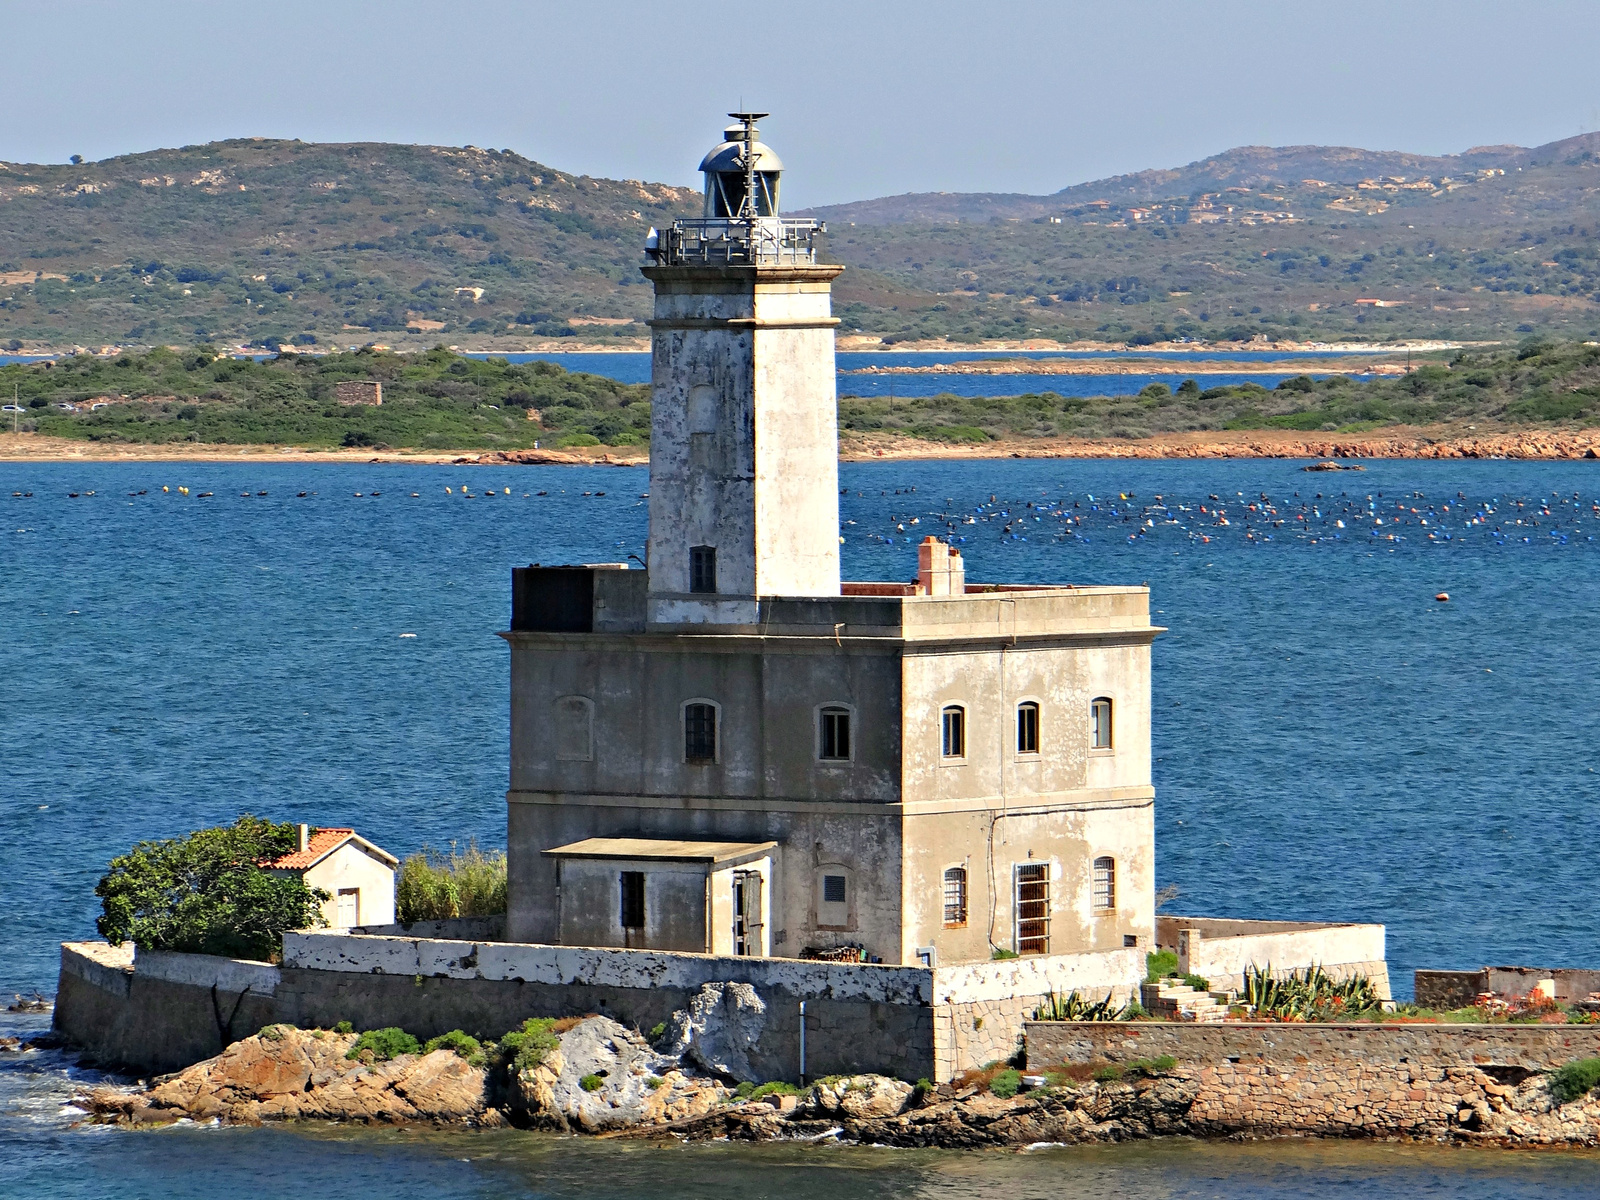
(699,732)
(833,733)
(1027,728)
(574,729)
(955,897)
(953,732)
(1104,896)
(1100,723)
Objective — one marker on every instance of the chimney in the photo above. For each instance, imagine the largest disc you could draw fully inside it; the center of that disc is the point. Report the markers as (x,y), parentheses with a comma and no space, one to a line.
(305,837)
(940,571)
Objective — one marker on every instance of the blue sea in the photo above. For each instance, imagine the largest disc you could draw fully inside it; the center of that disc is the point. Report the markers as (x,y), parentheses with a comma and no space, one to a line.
(1331,742)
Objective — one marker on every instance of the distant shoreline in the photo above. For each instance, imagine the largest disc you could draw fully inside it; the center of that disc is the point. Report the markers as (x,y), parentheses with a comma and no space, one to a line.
(1395,442)
(846,344)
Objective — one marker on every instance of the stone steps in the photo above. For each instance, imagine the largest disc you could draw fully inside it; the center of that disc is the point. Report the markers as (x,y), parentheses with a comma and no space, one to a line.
(1180,1002)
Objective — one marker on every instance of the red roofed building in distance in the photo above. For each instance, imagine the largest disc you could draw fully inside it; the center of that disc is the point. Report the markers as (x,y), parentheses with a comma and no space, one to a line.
(357,875)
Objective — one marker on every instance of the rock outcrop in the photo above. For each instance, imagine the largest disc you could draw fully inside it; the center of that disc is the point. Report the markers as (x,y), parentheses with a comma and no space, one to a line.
(285,1073)
(718,1031)
(604,1076)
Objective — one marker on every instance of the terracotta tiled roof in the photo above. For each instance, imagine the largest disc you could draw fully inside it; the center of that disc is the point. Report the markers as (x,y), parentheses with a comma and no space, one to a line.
(322,842)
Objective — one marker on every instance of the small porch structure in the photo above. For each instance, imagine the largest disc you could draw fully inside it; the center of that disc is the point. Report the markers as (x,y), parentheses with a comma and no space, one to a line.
(665,894)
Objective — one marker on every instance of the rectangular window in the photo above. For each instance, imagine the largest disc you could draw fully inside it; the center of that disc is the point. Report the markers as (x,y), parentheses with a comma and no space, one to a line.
(633,899)
(835,734)
(702,568)
(1104,895)
(1033,908)
(1100,724)
(953,743)
(700,733)
(1028,728)
(833,889)
(955,897)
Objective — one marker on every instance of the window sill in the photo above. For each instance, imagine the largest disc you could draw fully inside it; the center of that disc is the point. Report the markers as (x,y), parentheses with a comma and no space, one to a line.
(1028,758)
(955,924)
(952,762)
(1102,751)
(836,763)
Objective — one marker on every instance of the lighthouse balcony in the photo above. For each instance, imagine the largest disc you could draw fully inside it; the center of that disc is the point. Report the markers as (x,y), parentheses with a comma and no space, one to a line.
(757,241)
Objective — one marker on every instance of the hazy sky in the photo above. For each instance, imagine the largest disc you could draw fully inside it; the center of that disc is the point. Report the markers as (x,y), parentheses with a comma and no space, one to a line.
(867,98)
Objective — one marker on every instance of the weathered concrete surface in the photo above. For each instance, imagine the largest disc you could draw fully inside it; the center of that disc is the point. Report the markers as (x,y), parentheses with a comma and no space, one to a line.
(1529,1047)
(164,1016)
(1222,949)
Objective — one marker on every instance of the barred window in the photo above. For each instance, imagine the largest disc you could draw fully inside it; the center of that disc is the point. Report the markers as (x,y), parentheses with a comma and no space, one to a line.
(1028,728)
(835,734)
(700,733)
(1105,883)
(1033,908)
(1100,723)
(953,737)
(955,897)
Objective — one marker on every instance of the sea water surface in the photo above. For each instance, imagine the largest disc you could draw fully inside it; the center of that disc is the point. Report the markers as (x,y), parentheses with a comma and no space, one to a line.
(1331,742)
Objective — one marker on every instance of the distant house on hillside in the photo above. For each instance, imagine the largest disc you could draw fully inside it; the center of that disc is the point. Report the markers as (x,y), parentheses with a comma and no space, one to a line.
(358,391)
(358,876)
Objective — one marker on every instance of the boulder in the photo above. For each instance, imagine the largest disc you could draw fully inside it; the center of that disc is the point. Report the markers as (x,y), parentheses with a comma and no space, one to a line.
(629,1083)
(283,1074)
(859,1097)
(720,1029)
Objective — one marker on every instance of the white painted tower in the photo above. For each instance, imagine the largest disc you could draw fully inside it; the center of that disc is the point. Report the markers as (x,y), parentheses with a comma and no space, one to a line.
(744,474)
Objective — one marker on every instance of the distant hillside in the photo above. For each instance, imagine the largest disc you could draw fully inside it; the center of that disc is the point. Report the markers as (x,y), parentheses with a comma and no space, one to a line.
(257,238)
(1284,168)
(274,241)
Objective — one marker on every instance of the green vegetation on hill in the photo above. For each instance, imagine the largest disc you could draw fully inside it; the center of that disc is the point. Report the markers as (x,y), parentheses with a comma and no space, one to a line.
(275,242)
(436,400)
(1538,383)
(444,401)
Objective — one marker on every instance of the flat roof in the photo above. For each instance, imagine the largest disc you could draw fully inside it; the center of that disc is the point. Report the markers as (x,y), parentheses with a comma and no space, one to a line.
(664,849)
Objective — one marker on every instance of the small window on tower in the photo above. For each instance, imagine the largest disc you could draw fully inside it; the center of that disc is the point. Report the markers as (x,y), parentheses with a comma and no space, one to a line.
(953,732)
(1100,723)
(835,730)
(1028,728)
(702,568)
(700,733)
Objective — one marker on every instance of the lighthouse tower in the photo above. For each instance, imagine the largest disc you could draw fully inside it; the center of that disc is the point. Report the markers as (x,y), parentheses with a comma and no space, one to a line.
(744,496)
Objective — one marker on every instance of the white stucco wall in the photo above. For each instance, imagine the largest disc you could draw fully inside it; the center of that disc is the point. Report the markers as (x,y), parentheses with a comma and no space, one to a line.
(351,867)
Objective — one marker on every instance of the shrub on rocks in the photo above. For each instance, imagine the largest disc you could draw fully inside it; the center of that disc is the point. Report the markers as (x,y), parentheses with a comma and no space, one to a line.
(384,1044)
(1576,1079)
(527,1047)
(465,1046)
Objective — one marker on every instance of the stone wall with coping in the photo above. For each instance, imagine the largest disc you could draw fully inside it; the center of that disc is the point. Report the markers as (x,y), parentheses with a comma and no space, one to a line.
(1446,990)
(1221,950)
(1530,1047)
(164,1011)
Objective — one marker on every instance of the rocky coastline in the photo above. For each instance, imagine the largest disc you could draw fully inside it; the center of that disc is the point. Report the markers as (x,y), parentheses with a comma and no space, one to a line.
(602,1079)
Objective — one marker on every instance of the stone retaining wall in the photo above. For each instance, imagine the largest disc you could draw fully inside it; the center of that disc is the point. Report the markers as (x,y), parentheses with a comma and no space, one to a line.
(1528,1047)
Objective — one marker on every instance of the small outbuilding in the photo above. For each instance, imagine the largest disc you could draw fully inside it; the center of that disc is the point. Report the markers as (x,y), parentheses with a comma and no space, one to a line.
(358,876)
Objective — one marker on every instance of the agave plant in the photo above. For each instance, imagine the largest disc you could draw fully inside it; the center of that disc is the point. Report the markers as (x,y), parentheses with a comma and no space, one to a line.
(1073,1007)
(1311,995)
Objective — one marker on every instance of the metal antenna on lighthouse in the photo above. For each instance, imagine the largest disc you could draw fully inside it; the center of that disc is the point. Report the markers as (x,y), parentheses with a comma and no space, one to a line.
(748,210)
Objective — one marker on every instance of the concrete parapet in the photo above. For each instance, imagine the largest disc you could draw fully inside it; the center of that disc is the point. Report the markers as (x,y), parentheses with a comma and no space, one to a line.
(1220,950)
(1529,1047)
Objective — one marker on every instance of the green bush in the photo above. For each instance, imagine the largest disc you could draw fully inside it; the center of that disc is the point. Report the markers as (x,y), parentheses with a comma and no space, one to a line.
(654,1082)
(1151,1066)
(658,1031)
(207,893)
(526,1048)
(955,434)
(436,887)
(1198,982)
(384,1044)
(1107,1074)
(591,1083)
(1575,1079)
(1160,964)
(1007,1083)
(999,955)
(568,441)
(344,1027)
(464,1045)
